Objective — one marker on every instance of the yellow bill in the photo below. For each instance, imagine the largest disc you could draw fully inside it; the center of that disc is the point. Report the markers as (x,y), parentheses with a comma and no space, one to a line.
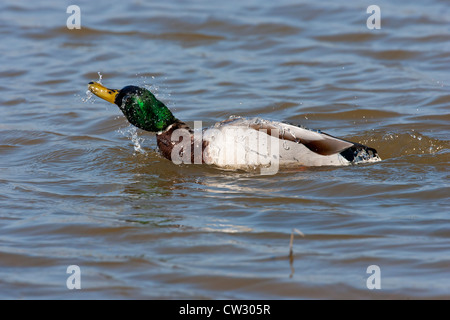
(103,92)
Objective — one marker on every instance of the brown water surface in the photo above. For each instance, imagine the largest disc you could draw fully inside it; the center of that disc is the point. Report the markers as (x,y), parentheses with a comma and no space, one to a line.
(79,186)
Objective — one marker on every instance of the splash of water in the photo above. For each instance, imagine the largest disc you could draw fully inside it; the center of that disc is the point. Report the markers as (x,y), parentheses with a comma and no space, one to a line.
(88,97)
(131,132)
(89,94)
(396,144)
(100,77)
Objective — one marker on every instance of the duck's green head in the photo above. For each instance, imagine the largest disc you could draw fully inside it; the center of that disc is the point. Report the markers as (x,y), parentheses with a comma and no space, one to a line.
(139,106)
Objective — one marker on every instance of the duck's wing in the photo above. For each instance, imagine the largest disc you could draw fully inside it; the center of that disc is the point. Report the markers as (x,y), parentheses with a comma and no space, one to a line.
(295,145)
(316,141)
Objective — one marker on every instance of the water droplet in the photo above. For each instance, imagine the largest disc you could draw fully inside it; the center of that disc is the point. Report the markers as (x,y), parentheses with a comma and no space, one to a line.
(132,133)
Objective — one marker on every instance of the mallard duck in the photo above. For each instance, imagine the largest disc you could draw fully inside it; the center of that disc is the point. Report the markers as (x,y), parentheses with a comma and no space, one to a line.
(236,143)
